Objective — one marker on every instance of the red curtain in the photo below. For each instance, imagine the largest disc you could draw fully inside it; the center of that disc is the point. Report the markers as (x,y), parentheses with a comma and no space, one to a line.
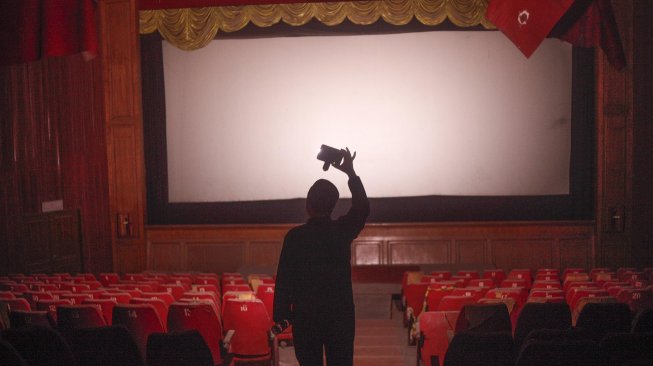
(34,29)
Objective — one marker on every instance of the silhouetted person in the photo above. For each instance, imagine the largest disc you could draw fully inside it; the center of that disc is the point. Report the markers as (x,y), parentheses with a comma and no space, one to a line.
(313,288)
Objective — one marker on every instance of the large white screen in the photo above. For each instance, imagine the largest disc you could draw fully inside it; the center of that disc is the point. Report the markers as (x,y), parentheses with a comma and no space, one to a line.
(434,113)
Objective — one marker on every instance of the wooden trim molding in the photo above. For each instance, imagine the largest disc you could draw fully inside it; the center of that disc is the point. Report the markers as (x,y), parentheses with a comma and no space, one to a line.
(507,245)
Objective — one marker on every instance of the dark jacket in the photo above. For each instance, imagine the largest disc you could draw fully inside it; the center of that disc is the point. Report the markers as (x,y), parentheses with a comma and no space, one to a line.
(314,272)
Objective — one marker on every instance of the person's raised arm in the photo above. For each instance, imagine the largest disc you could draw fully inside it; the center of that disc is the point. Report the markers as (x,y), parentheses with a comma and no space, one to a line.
(360,206)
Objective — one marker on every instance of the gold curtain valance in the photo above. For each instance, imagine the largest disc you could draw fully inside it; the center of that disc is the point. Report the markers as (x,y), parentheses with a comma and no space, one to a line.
(194,28)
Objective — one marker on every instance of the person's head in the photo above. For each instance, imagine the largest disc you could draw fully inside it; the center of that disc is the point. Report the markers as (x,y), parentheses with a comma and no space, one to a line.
(321,198)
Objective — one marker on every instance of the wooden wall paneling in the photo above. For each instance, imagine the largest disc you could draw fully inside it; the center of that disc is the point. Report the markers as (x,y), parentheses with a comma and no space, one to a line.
(419,251)
(124,131)
(472,251)
(523,253)
(166,256)
(575,253)
(614,163)
(263,254)
(215,257)
(368,252)
(35,244)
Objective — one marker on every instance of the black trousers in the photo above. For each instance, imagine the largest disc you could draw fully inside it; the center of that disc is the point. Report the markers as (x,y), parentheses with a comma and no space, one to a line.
(330,333)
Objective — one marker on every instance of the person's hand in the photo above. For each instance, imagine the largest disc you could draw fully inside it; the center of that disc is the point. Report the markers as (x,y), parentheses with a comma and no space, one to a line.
(347,163)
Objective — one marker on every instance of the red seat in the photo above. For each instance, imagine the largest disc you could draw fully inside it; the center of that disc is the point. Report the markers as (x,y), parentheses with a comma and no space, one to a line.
(546,295)
(434,295)
(518,294)
(204,318)
(482,282)
(184,281)
(251,325)
(472,275)
(134,277)
(141,320)
(19,318)
(265,293)
(177,291)
(79,316)
(637,299)
(455,303)
(579,293)
(475,292)
(207,288)
(18,303)
(7,295)
(577,286)
(206,280)
(74,287)
(462,279)
(515,282)
(34,296)
(51,306)
(165,296)
(14,287)
(105,306)
(496,275)
(441,275)
(240,287)
(159,305)
(76,298)
(107,279)
(118,297)
(414,295)
(45,287)
(546,285)
(95,294)
(436,330)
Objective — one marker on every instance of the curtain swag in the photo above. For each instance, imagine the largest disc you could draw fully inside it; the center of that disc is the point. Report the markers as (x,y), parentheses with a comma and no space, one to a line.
(193,28)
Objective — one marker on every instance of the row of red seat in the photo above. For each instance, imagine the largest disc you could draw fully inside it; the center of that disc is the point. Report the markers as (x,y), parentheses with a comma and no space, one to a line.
(147,303)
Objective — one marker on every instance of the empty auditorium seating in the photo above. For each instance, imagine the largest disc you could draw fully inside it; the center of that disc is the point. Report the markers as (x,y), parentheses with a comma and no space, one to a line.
(40,345)
(159,305)
(436,328)
(597,319)
(51,306)
(496,275)
(105,306)
(185,348)
(202,317)
(140,319)
(79,316)
(250,323)
(21,318)
(17,304)
(477,348)
(484,318)
(541,316)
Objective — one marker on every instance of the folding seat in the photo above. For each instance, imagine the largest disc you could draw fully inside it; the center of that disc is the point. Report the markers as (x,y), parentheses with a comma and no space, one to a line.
(240,295)
(409,277)
(15,287)
(469,274)
(535,316)
(206,280)
(580,293)
(164,296)
(434,295)
(202,296)
(105,306)
(482,282)
(74,287)
(542,295)
(514,282)
(18,303)
(484,318)
(475,348)
(40,345)
(436,328)
(57,293)
(159,305)
(108,279)
(232,280)
(118,297)
(135,286)
(569,287)
(250,323)
(241,287)
(134,277)
(79,316)
(186,282)
(518,294)
(178,349)
(496,275)
(265,293)
(627,348)
(643,321)
(547,277)
(636,298)
(44,287)
(455,303)
(208,288)
(614,290)
(462,279)
(631,275)
(34,296)
(414,295)
(7,295)
(51,306)
(93,285)
(104,346)
(572,271)
(597,319)
(202,317)
(547,272)
(522,274)
(177,291)
(76,298)
(557,352)
(22,318)
(595,271)
(441,275)
(87,276)
(95,294)
(547,285)
(475,292)
(140,319)
(4,315)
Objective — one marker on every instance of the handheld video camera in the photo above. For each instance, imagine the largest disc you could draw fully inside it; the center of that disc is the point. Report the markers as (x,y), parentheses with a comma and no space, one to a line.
(329,155)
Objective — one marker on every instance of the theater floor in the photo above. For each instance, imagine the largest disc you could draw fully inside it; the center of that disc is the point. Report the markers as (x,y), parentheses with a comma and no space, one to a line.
(381,339)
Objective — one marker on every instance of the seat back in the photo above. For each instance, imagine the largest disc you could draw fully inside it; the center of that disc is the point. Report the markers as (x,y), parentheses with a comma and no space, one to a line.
(643,321)
(105,306)
(140,319)
(186,348)
(51,306)
(251,323)
(18,303)
(436,330)
(455,303)
(10,356)
(104,346)
(22,318)
(202,317)
(473,348)
(484,318)
(40,345)
(627,348)
(559,352)
(598,319)
(79,316)
(159,305)
(541,316)
(265,293)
